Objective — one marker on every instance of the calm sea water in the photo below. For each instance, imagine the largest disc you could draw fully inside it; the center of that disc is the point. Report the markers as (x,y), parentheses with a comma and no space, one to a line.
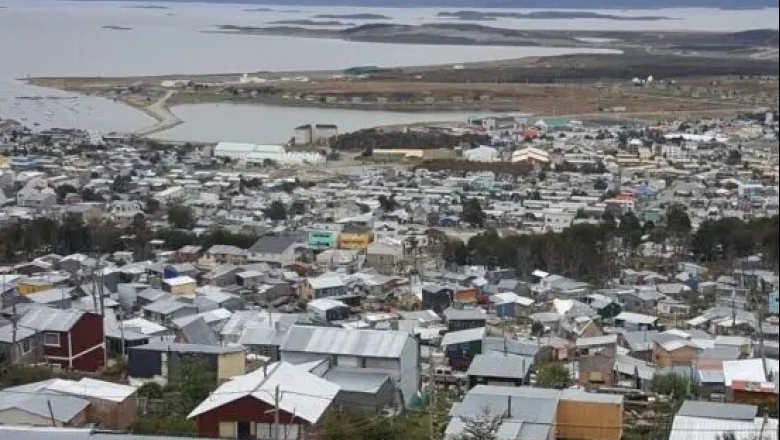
(54,38)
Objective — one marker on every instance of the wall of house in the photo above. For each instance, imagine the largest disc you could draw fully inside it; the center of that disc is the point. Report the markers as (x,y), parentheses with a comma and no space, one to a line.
(183,289)
(246,409)
(354,240)
(113,415)
(681,356)
(88,343)
(361,402)
(15,416)
(589,420)
(231,365)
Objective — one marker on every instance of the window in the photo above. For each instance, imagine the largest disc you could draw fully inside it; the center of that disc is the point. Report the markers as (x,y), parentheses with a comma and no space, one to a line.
(51,339)
(26,346)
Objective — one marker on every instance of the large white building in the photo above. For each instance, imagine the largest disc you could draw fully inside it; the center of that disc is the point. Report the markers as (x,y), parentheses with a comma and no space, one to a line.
(258,153)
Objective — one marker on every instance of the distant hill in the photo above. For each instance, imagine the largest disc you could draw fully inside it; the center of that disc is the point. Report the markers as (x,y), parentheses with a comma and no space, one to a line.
(546,4)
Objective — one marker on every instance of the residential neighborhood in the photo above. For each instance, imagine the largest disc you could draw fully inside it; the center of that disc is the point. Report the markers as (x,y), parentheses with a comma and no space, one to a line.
(539,278)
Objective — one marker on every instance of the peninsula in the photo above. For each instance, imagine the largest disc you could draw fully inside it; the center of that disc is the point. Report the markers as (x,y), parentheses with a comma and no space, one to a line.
(544,15)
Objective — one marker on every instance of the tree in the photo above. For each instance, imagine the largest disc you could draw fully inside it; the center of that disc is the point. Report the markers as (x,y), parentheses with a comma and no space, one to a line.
(276,211)
(63,190)
(297,207)
(388,204)
(676,386)
(181,217)
(194,381)
(537,329)
(483,427)
(630,231)
(554,375)
(600,184)
(152,206)
(121,184)
(472,213)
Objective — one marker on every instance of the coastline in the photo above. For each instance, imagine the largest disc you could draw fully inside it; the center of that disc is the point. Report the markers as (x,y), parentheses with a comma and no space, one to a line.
(161,112)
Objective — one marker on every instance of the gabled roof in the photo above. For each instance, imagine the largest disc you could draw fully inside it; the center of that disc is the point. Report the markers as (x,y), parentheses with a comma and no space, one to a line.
(500,365)
(271,244)
(48,405)
(303,394)
(463,336)
(717,410)
(54,320)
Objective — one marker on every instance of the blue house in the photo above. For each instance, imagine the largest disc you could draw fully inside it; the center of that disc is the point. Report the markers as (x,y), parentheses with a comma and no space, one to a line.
(774,299)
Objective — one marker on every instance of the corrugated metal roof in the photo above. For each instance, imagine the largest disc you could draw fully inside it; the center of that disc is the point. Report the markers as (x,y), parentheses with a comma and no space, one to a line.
(462,336)
(532,405)
(357,381)
(54,320)
(63,408)
(48,433)
(717,410)
(500,365)
(700,428)
(301,393)
(331,340)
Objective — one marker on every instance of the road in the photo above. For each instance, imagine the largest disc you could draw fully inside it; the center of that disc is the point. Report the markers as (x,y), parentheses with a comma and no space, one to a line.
(162,114)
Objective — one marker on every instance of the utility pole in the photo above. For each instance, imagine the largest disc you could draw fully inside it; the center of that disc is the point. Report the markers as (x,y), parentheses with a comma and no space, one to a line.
(432,389)
(277,398)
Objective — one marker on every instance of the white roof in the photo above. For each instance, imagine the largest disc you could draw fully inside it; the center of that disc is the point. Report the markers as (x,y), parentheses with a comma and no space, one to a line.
(178,281)
(511,297)
(461,336)
(748,370)
(94,388)
(636,318)
(301,393)
(325,281)
(701,428)
(145,326)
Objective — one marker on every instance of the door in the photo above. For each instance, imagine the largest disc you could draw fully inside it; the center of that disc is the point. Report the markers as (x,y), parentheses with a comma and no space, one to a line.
(244,430)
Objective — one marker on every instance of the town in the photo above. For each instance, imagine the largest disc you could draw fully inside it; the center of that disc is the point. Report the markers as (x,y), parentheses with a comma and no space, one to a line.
(506,277)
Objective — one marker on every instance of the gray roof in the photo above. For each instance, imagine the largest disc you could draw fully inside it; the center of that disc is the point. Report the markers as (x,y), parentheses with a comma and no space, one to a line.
(47,319)
(51,295)
(64,408)
(641,340)
(512,346)
(498,365)
(716,410)
(332,340)
(48,433)
(353,381)
(7,333)
(187,348)
(465,314)
(198,332)
(532,405)
(728,353)
(272,244)
(262,336)
(167,306)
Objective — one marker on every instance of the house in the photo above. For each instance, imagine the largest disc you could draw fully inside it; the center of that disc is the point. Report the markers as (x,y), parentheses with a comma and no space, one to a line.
(281,401)
(461,346)
(164,311)
(160,361)
(36,194)
(437,297)
(72,339)
(636,321)
(224,254)
(675,352)
(322,239)
(327,310)
(355,236)
(394,353)
(709,420)
(276,251)
(528,413)
(463,319)
(751,381)
(180,285)
(596,360)
(20,346)
(109,405)
(499,369)
(511,305)
(324,286)
(188,254)
(42,409)
(385,255)
(606,307)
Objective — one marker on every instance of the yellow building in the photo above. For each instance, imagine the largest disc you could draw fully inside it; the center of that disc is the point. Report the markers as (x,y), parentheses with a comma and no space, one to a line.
(33,286)
(231,364)
(180,286)
(355,237)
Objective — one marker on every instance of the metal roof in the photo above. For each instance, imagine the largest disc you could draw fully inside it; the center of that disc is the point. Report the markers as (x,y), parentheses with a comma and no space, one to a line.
(532,405)
(597,340)
(717,410)
(356,381)
(701,428)
(272,244)
(63,408)
(47,319)
(465,314)
(187,348)
(332,340)
(49,433)
(500,365)
(303,394)
(462,336)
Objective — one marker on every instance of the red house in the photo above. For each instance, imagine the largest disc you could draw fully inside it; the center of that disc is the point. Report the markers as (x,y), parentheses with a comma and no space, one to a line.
(72,339)
(244,407)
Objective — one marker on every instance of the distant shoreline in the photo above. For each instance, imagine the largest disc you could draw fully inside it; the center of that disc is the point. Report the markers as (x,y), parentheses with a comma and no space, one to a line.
(607,5)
